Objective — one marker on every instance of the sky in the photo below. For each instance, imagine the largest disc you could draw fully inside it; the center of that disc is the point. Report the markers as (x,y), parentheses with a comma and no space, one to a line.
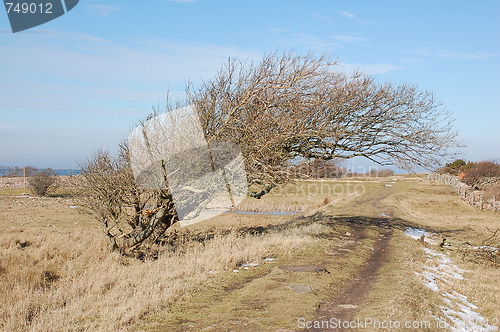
(83,81)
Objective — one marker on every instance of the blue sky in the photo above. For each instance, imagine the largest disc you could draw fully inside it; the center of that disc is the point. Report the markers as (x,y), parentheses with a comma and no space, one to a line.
(82,81)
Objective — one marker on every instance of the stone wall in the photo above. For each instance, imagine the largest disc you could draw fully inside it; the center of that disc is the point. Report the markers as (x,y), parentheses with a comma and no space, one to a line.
(11,182)
(467,193)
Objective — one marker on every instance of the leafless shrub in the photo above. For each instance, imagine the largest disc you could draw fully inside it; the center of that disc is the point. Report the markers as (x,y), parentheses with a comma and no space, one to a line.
(43,182)
(375,172)
(318,169)
(130,214)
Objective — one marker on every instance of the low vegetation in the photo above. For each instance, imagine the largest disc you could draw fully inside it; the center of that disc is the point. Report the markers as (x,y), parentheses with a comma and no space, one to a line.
(457,167)
(483,174)
(331,169)
(57,273)
(62,285)
(43,182)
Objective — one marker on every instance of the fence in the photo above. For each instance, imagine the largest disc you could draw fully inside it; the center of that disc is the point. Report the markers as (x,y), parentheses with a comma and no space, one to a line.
(467,193)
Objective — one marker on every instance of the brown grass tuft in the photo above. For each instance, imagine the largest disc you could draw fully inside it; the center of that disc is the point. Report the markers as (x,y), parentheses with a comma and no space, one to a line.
(65,278)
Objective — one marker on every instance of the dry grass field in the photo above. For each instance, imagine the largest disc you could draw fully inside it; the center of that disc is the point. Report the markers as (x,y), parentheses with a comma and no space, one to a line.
(57,273)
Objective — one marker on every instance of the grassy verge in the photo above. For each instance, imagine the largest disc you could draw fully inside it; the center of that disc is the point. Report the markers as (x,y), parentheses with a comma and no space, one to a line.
(71,282)
(398,297)
(438,208)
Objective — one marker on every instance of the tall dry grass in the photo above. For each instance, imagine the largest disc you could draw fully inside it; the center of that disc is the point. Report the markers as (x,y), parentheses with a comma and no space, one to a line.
(67,280)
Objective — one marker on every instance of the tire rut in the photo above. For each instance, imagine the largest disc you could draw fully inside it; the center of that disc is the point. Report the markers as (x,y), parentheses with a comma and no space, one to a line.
(345,304)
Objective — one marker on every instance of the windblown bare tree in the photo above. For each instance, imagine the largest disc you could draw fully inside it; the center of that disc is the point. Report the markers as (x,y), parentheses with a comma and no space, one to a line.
(284,108)
(289,107)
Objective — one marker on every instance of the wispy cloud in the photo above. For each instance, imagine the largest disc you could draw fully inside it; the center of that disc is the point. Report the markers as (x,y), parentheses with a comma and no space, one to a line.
(347,14)
(308,42)
(349,39)
(351,16)
(450,54)
(277,31)
(312,42)
(100,76)
(32,31)
(8,128)
(103,10)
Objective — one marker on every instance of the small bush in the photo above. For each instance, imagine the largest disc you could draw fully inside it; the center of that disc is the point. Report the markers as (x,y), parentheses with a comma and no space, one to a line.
(467,167)
(375,172)
(456,167)
(43,182)
(318,169)
(481,172)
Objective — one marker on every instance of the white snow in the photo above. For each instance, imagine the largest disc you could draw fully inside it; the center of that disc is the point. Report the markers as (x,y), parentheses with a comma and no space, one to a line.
(458,314)
(416,233)
(249,264)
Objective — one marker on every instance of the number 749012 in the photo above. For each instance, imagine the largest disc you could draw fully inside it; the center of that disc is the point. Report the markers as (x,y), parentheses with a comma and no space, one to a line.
(29,8)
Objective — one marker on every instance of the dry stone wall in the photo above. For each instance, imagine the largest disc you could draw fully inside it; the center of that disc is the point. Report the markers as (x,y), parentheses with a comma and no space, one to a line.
(467,193)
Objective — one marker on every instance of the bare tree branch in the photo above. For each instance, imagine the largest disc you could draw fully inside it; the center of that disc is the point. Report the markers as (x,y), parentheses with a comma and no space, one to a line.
(290,106)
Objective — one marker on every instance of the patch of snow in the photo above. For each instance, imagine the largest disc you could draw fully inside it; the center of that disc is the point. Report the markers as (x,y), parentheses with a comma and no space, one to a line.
(415,233)
(459,314)
(431,284)
(250,264)
(488,248)
(465,319)
(269,259)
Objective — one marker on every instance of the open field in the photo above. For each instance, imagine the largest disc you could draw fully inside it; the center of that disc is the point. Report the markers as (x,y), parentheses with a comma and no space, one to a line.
(344,256)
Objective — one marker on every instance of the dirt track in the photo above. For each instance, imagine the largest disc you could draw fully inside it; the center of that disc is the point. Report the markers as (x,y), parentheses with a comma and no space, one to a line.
(368,232)
(344,305)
